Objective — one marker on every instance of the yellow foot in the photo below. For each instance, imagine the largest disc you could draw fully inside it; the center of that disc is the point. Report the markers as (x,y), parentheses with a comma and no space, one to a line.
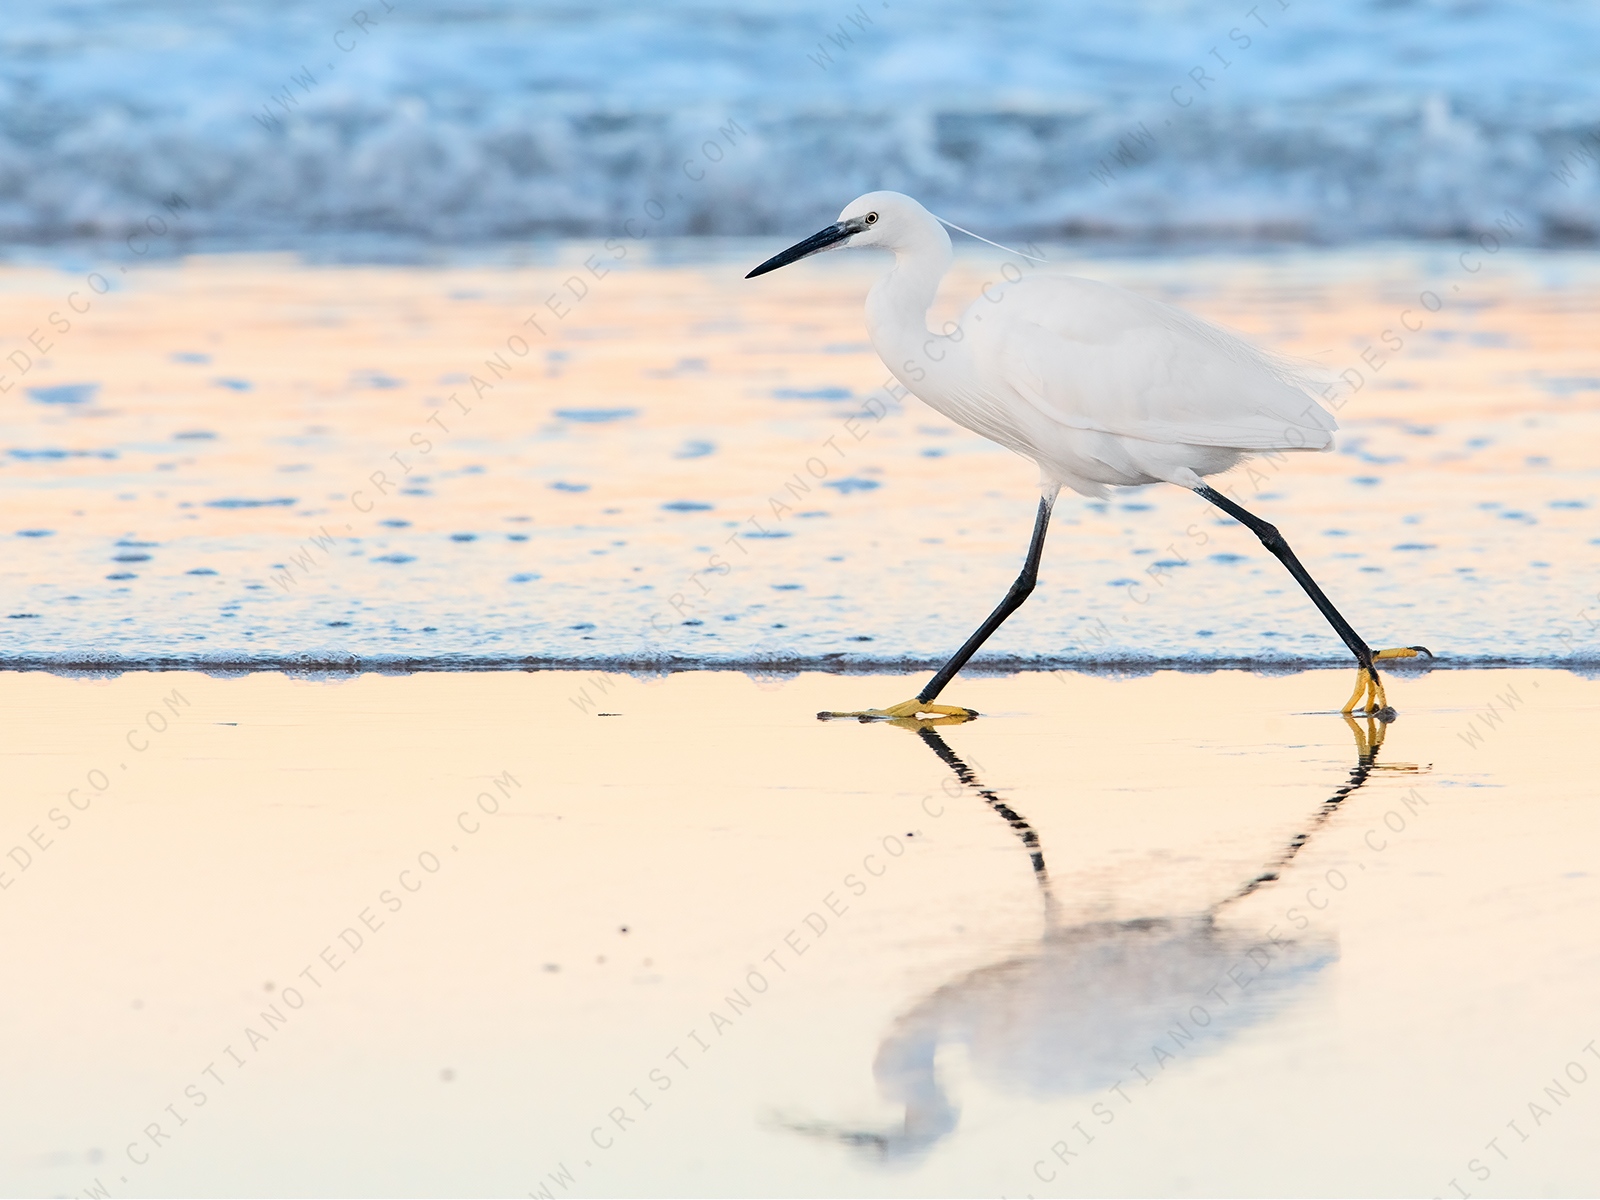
(1369,693)
(1404,652)
(912,710)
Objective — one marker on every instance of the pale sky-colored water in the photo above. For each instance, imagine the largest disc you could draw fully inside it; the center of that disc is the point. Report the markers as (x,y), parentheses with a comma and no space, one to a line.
(445,934)
(584,456)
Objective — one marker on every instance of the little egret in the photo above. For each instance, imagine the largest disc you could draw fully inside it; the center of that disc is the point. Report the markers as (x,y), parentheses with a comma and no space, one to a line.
(1099,386)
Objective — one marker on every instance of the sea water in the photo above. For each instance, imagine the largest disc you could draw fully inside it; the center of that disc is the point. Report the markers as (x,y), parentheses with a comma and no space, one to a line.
(435,122)
(594,456)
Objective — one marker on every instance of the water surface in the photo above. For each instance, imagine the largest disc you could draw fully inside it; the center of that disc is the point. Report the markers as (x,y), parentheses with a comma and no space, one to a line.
(595,457)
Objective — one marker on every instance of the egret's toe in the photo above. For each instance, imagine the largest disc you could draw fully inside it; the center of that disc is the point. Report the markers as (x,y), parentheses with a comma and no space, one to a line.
(1404,652)
(912,709)
(1368,694)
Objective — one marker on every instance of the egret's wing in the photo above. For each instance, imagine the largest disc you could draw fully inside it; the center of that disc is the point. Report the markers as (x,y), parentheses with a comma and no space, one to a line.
(1092,356)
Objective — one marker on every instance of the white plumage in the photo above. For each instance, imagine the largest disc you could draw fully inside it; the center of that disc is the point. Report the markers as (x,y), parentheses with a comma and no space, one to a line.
(1098,385)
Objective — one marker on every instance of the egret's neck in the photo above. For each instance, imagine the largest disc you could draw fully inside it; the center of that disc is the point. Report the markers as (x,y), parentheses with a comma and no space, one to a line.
(897,305)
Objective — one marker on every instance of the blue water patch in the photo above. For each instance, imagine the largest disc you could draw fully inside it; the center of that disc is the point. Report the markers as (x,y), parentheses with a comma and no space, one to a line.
(826,393)
(130,556)
(1416,546)
(22,616)
(1227,559)
(395,558)
(277,502)
(395,523)
(234,385)
(52,454)
(686,506)
(122,575)
(194,435)
(463,537)
(36,533)
(684,366)
(695,449)
(375,379)
(1569,504)
(596,416)
(561,486)
(526,577)
(788,587)
(853,483)
(65,393)
(1568,385)
(200,571)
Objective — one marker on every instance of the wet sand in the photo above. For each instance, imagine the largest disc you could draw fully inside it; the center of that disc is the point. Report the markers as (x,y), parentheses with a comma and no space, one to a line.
(459,934)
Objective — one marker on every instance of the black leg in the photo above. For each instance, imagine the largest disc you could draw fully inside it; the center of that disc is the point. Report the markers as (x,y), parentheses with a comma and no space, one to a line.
(1273,541)
(1367,672)
(1020,590)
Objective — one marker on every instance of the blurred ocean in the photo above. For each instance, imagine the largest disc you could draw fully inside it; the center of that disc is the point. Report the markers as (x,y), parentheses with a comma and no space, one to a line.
(431,121)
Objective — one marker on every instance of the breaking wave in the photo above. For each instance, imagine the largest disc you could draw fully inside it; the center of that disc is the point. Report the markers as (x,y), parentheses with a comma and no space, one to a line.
(435,121)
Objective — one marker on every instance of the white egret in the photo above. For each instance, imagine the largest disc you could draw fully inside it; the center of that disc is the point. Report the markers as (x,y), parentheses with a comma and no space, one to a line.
(1099,386)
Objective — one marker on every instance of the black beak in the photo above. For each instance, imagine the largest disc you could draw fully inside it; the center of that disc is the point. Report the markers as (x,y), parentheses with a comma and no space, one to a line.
(830,236)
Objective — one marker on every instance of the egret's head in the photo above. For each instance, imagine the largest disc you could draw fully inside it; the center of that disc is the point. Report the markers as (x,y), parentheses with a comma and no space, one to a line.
(886,219)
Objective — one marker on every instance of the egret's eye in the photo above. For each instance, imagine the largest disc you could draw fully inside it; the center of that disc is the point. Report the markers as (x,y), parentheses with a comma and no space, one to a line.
(872,218)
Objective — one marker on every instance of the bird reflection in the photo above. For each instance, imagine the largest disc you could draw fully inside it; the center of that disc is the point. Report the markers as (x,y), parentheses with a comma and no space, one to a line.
(1095,1005)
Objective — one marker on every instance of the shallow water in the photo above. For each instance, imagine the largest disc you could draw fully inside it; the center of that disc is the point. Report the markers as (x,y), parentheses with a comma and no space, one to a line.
(249,460)
(445,934)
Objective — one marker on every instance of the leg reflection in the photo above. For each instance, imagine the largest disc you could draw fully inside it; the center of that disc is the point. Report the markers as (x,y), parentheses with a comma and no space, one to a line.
(1369,734)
